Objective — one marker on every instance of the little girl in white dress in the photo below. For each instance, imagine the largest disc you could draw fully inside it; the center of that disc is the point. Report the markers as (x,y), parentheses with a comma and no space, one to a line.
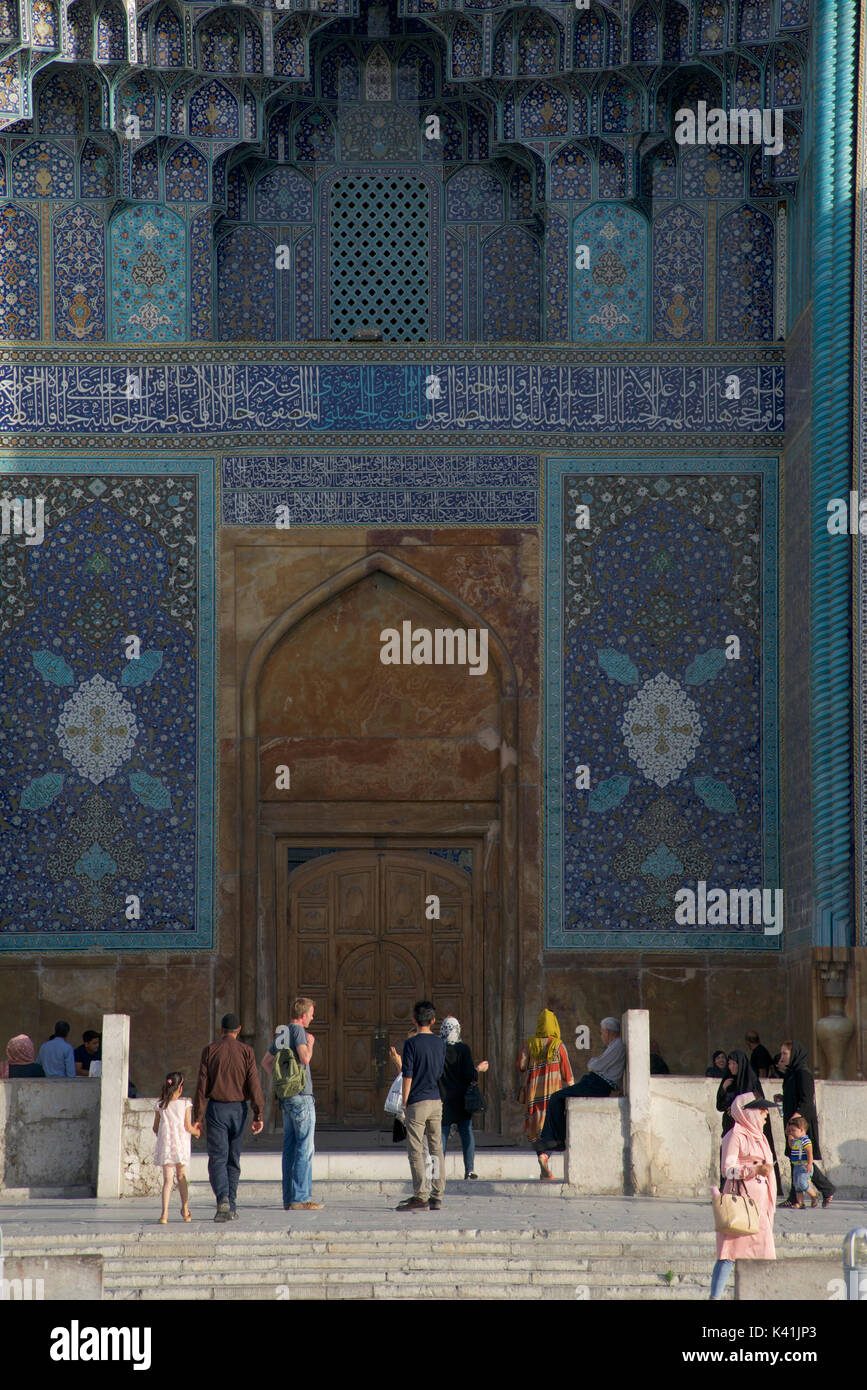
(173,1129)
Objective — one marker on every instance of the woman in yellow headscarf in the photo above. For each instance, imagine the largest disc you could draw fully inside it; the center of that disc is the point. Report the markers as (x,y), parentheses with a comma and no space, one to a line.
(547,1069)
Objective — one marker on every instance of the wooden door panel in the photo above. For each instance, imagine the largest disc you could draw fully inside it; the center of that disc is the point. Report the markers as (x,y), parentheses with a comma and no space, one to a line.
(404,902)
(357,902)
(363,949)
(312,966)
(447,967)
(313,918)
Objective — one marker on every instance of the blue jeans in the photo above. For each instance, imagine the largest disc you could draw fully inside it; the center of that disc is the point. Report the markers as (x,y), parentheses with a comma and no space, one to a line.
(468,1142)
(226,1121)
(299,1123)
(722,1272)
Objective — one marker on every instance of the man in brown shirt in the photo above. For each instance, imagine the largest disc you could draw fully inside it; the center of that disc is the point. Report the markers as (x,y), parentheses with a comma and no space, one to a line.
(228,1078)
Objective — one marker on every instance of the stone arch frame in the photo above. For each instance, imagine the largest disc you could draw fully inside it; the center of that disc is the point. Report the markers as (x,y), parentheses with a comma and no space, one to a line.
(256,933)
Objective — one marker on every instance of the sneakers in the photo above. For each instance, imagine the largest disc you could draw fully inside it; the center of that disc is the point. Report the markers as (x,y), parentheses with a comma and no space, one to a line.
(224,1211)
(306,1206)
(413,1204)
(469,1176)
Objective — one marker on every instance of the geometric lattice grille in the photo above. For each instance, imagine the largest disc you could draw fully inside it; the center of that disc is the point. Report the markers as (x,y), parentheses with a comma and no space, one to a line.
(379,257)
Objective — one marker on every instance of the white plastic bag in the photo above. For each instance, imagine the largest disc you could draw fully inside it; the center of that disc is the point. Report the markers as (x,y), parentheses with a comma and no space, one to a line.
(394,1099)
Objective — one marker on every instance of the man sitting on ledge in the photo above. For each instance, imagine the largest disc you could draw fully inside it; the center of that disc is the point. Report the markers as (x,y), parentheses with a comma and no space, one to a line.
(604,1076)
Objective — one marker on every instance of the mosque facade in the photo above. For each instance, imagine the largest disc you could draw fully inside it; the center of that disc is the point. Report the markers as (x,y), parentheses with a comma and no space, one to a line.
(328,317)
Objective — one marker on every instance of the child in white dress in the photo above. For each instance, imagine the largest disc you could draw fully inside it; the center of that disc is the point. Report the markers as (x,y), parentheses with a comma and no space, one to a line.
(173,1129)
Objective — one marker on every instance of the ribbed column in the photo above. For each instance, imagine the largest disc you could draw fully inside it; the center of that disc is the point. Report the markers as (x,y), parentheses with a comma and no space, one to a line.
(830,556)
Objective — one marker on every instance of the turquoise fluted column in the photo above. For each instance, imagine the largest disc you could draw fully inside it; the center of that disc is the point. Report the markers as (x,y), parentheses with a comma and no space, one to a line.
(835,66)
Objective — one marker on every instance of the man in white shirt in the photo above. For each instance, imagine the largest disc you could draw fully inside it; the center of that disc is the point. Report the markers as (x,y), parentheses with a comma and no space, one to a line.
(56,1056)
(604,1076)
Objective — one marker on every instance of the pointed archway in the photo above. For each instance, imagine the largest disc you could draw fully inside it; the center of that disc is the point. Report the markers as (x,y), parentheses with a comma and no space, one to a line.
(489,820)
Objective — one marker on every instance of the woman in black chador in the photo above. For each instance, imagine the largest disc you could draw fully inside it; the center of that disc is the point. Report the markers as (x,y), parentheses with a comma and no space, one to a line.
(799,1098)
(742,1078)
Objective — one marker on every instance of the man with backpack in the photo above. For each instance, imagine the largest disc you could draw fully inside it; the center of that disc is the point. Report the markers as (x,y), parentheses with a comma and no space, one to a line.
(292,1051)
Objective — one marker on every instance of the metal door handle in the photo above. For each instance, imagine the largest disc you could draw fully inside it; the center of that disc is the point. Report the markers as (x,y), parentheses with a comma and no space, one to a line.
(380,1052)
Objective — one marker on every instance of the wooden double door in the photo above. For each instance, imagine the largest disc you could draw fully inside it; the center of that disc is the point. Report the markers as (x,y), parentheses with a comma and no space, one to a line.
(364,942)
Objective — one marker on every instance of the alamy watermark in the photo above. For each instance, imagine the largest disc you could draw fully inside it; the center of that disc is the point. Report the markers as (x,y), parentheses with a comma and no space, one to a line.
(23,518)
(742,125)
(732,907)
(442,646)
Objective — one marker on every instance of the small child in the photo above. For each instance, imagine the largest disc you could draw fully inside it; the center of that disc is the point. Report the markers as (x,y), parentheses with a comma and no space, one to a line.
(172,1152)
(801,1158)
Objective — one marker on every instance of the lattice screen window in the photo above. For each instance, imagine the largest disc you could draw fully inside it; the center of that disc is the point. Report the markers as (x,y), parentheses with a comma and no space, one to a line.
(379,257)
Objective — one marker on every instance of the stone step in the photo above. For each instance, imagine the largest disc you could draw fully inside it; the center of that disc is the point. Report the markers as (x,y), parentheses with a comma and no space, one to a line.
(463,1293)
(380,1165)
(212,1245)
(286,1266)
(397,1275)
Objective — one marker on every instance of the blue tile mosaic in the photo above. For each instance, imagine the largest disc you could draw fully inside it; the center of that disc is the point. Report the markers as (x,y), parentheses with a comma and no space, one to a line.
(107,783)
(680,736)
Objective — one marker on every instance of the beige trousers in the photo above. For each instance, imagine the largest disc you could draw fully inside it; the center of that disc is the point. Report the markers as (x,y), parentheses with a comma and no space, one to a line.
(425,1118)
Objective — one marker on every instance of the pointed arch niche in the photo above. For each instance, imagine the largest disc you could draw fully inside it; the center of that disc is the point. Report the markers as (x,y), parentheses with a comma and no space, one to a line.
(390,757)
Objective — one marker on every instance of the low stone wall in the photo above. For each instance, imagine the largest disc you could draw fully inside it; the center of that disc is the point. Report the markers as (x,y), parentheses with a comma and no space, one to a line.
(140,1177)
(49,1134)
(54,1278)
(686,1129)
(777,1281)
(597,1144)
(842,1109)
(685,1136)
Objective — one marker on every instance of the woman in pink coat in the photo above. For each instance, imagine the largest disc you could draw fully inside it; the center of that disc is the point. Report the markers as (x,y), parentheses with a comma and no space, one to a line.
(746,1155)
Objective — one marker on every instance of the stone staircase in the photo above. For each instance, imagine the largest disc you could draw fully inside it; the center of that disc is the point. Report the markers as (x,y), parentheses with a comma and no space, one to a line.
(430,1262)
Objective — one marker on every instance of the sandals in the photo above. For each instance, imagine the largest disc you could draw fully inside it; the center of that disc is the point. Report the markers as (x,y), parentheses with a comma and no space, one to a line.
(826,1202)
(185,1213)
(792,1205)
(546,1175)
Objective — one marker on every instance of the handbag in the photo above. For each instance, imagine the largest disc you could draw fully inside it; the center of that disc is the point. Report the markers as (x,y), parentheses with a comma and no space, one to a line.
(474,1101)
(735,1213)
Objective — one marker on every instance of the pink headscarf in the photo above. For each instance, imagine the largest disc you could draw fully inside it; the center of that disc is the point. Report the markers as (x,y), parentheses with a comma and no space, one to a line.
(753,1122)
(19,1051)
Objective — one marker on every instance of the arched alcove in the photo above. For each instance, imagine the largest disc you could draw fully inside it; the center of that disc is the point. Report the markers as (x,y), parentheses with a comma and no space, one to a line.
(378,755)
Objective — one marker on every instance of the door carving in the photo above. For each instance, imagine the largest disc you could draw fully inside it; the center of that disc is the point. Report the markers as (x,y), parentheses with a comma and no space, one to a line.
(361,946)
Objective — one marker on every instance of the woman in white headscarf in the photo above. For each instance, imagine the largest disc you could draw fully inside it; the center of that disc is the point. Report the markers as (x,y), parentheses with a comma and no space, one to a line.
(458,1073)
(747,1157)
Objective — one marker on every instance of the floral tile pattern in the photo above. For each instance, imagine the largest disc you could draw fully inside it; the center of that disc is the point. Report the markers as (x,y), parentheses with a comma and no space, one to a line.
(609,302)
(147,283)
(79,276)
(661,642)
(107,751)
